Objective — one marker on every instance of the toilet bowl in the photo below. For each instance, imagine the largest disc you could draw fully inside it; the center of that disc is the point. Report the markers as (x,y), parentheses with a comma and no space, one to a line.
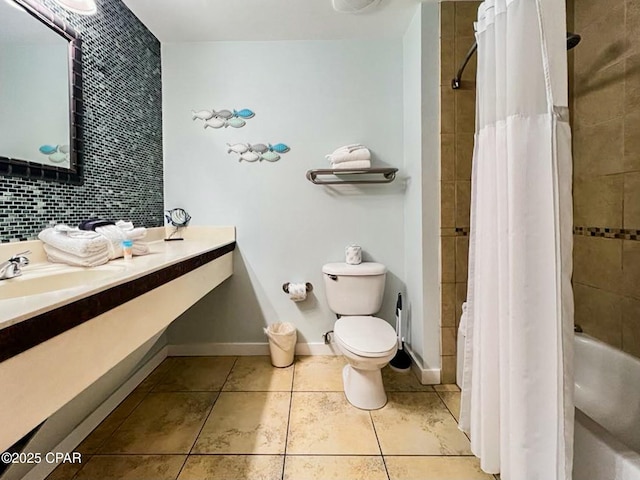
(368,344)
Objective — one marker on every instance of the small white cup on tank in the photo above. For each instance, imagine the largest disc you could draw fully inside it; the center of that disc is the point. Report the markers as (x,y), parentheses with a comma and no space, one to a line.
(353,254)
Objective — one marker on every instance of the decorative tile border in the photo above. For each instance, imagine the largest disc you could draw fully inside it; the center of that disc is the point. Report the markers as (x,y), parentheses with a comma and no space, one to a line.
(455,232)
(605,232)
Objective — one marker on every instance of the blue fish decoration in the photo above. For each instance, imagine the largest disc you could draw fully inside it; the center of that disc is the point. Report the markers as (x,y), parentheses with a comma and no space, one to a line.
(48,149)
(279,147)
(244,113)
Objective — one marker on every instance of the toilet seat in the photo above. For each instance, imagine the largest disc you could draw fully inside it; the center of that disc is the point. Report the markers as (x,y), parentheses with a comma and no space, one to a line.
(366,336)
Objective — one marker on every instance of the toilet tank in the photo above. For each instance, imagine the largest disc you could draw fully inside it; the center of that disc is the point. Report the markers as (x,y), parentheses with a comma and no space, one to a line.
(354,289)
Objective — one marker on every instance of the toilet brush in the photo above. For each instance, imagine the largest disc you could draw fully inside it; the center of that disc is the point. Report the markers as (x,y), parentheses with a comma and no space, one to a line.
(402,361)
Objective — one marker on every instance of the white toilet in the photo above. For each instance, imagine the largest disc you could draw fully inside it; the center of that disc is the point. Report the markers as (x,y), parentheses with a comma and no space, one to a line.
(355,292)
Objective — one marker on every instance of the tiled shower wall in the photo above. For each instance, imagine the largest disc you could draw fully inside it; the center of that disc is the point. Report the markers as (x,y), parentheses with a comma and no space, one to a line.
(457,125)
(122,156)
(606,149)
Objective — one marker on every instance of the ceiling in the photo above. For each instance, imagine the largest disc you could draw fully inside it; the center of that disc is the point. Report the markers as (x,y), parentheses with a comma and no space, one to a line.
(232,20)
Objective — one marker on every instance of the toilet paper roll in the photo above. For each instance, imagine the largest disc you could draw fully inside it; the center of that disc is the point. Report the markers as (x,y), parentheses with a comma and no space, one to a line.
(353,254)
(297,292)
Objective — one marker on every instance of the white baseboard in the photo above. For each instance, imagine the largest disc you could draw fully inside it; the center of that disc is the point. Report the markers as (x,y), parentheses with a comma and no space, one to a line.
(425,375)
(43,469)
(245,349)
(317,349)
(218,349)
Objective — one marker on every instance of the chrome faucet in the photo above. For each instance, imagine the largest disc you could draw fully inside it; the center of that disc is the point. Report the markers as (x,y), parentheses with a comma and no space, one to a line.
(13,267)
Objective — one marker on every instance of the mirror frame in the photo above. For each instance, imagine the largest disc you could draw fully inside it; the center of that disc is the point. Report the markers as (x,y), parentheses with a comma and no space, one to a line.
(13,167)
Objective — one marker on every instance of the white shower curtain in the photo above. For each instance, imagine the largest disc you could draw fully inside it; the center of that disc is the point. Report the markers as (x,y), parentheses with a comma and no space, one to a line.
(517,395)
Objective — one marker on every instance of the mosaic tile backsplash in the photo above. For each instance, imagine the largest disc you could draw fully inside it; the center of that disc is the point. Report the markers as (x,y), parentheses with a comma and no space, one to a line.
(122,157)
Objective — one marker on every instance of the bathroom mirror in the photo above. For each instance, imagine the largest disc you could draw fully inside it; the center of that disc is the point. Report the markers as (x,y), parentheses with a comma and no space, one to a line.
(40,94)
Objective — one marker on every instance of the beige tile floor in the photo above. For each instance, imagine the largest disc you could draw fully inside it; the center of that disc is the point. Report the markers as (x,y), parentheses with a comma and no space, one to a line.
(232,418)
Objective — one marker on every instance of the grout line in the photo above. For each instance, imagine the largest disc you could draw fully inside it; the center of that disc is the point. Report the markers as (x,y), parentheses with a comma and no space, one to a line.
(207,417)
(447,407)
(186,457)
(375,432)
(75,475)
(99,447)
(102,444)
(162,377)
(286,437)
(452,415)
(224,391)
(318,391)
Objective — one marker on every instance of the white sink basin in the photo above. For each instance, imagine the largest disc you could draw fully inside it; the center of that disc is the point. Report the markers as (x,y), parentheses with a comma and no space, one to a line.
(36,283)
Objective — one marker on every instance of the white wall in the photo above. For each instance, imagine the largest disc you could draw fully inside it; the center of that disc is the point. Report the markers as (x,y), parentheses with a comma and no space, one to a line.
(412,138)
(313,96)
(431,182)
(421,149)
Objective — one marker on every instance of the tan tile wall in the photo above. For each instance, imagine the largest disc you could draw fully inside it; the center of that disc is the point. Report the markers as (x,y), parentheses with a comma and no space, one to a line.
(606,149)
(457,126)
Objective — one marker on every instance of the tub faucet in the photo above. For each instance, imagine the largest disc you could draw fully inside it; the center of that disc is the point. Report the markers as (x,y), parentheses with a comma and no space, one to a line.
(13,267)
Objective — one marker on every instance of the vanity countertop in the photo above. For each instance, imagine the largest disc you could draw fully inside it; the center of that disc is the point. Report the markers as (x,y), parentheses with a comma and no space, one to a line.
(201,244)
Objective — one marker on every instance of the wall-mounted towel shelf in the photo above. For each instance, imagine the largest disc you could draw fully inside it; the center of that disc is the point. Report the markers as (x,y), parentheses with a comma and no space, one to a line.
(387,175)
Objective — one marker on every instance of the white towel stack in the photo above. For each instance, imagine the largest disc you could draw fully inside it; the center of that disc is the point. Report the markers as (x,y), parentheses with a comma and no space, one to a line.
(353,156)
(83,248)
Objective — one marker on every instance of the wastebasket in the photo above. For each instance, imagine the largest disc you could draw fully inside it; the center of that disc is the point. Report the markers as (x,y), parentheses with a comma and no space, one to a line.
(282,343)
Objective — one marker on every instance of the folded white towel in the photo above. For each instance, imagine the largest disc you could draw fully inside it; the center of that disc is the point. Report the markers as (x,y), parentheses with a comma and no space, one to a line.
(75,232)
(116,234)
(356,164)
(75,243)
(90,248)
(124,225)
(137,233)
(139,248)
(349,148)
(59,256)
(132,233)
(340,157)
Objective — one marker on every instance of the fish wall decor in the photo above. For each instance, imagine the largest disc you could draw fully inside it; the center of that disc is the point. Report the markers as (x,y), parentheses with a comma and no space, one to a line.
(234,122)
(249,156)
(258,151)
(223,118)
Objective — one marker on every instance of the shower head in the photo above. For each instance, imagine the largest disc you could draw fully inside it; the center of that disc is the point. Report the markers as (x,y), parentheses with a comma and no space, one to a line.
(573,39)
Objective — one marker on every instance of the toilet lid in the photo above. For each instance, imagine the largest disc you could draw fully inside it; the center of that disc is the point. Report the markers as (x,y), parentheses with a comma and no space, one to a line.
(366,336)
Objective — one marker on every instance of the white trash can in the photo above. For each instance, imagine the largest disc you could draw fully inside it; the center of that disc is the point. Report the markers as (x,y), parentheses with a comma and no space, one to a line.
(282,343)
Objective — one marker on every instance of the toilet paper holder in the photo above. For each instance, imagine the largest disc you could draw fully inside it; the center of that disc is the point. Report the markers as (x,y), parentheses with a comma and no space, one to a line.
(285,287)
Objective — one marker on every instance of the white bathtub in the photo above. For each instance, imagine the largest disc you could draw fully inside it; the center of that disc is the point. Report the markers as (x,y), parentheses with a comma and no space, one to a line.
(607,396)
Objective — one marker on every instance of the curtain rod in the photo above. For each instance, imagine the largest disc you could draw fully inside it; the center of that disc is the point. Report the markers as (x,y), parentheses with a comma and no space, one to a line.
(455,83)
(572,40)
